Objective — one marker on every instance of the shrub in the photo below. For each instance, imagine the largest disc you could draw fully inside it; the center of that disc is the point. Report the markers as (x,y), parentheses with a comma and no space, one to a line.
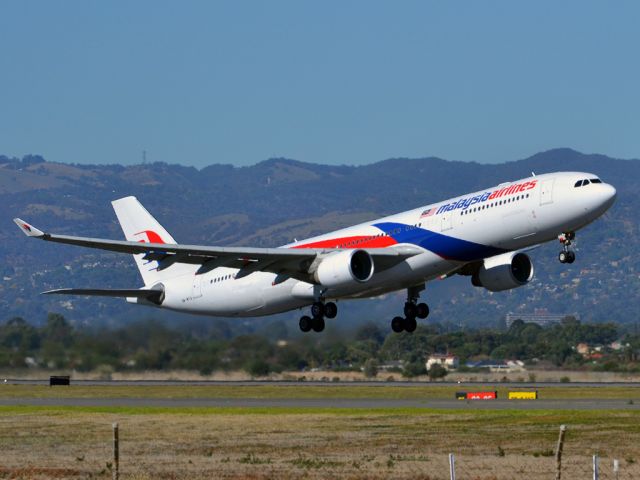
(370,368)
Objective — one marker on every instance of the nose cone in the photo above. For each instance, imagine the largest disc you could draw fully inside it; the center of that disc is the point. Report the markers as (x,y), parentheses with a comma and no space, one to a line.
(608,194)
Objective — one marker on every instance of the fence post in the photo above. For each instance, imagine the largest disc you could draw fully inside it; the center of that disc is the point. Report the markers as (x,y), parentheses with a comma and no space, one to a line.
(116,453)
(616,468)
(596,473)
(452,466)
(563,429)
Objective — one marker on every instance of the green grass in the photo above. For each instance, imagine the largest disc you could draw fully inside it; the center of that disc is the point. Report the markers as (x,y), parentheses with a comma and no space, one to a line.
(473,418)
(426,392)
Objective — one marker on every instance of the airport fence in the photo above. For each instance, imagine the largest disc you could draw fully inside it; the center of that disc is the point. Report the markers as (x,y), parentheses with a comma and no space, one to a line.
(546,464)
(514,467)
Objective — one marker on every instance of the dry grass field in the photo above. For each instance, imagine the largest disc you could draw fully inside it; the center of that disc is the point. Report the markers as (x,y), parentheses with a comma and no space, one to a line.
(288,443)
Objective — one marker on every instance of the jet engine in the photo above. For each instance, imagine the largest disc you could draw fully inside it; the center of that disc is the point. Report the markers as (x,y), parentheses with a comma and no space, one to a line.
(503,272)
(344,268)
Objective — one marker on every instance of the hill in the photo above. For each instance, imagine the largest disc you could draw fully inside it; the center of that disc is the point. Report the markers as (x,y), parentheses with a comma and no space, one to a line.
(272,202)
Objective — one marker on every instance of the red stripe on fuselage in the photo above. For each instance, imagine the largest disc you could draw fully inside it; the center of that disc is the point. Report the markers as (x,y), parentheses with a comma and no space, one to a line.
(361,241)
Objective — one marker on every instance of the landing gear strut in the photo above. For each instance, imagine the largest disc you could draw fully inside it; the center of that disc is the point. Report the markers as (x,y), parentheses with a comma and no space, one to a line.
(319,310)
(566,255)
(412,310)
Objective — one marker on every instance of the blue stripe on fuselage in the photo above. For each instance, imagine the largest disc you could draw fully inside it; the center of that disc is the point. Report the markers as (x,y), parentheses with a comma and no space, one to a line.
(447,247)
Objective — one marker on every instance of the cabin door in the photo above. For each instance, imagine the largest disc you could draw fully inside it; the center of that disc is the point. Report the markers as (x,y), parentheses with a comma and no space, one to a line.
(546,192)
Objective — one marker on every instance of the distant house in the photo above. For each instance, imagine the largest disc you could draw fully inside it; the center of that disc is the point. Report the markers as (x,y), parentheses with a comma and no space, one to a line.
(583,349)
(449,362)
(499,366)
(617,345)
(591,353)
(391,365)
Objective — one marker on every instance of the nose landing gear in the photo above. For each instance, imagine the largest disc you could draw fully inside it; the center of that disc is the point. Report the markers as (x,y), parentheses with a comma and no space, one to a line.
(566,255)
(319,310)
(412,310)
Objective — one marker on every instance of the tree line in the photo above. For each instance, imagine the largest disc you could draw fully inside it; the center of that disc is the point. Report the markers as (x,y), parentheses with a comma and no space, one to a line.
(152,345)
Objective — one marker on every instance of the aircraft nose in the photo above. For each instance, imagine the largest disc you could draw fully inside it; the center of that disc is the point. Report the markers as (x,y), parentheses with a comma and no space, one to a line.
(609,195)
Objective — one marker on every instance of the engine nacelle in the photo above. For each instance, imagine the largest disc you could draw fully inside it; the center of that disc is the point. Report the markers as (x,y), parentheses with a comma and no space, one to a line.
(344,268)
(503,272)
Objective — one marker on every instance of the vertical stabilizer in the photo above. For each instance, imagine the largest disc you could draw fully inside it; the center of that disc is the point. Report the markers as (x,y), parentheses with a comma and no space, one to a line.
(139,225)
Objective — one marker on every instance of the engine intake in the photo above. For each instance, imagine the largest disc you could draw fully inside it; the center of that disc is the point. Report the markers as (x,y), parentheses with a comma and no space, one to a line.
(504,272)
(344,268)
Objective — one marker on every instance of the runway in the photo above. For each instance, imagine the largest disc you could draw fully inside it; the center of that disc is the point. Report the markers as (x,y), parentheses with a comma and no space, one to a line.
(325,403)
(284,383)
(194,394)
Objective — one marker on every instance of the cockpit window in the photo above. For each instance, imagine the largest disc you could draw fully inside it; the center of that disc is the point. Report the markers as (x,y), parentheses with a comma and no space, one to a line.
(585,182)
(578,184)
(596,180)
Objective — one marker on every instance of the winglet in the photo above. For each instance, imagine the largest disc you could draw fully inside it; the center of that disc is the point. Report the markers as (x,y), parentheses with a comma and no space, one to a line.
(28,230)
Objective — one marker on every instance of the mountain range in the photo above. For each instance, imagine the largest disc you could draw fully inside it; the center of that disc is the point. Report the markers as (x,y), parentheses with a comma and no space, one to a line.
(278,200)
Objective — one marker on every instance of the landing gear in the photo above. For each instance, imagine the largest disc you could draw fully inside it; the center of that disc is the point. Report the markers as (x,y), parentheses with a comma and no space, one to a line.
(422,310)
(318,324)
(330,310)
(306,323)
(412,310)
(397,324)
(410,325)
(566,255)
(319,310)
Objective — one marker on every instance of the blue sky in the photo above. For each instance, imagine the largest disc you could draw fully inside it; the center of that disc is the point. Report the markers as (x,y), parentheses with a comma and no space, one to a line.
(348,82)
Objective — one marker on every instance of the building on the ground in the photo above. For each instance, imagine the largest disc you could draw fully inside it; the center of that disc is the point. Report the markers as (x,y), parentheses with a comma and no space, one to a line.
(449,362)
(540,316)
(583,349)
(391,365)
(499,366)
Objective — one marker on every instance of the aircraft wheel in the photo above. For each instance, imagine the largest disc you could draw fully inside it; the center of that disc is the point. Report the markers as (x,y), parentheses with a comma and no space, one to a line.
(422,310)
(305,323)
(317,309)
(318,324)
(397,324)
(410,324)
(571,257)
(410,310)
(330,310)
(562,256)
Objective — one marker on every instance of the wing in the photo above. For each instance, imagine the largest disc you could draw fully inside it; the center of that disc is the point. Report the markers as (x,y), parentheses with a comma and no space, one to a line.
(298,263)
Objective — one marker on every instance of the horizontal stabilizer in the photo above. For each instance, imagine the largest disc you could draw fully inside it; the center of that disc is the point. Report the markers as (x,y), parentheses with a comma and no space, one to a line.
(154,296)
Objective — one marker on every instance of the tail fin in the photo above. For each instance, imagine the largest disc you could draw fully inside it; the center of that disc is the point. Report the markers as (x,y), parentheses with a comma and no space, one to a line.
(139,225)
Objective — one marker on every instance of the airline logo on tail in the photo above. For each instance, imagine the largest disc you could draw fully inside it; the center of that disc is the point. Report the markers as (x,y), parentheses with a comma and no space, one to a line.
(152,237)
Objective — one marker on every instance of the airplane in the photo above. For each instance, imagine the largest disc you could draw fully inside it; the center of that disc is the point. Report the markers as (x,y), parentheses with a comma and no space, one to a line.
(484,235)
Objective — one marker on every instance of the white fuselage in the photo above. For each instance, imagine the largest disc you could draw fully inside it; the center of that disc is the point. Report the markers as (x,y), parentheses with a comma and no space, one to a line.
(451,233)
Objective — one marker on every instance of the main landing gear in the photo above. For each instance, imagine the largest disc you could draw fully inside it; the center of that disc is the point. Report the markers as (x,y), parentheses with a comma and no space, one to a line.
(412,310)
(319,310)
(566,255)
